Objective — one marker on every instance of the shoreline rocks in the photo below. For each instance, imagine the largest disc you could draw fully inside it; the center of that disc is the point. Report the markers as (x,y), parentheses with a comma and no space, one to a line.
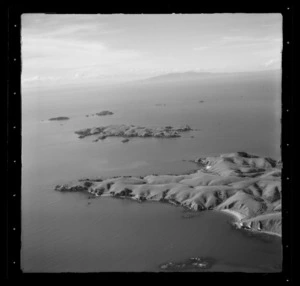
(243,184)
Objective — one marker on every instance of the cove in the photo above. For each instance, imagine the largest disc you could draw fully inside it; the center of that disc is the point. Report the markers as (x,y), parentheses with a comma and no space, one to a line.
(110,234)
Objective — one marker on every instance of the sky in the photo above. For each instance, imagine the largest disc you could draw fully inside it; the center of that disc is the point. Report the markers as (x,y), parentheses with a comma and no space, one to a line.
(70,48)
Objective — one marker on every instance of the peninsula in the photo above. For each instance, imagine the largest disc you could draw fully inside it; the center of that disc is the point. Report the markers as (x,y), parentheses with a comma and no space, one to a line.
(244,185)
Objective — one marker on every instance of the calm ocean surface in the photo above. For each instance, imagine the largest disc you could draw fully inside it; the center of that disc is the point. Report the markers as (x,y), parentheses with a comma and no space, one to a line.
(62,232)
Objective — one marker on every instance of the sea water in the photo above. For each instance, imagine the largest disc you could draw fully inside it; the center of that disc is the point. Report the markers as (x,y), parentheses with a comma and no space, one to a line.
(64,232)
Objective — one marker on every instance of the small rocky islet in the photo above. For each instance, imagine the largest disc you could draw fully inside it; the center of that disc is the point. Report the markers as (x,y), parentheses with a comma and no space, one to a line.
(60,118)
(193,263)
(247,186)
(101,113)
(128,131)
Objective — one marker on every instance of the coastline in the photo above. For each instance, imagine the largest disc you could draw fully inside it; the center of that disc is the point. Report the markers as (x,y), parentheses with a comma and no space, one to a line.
(267,232)
(244,186)
(236,215)
(239,223)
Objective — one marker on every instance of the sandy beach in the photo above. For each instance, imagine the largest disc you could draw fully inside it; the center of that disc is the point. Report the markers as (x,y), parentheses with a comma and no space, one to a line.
(238,216)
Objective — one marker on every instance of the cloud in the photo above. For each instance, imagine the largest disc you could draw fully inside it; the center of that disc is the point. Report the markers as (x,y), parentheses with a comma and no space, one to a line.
(58,48)
(236,39)
(73,27)
(200,48)
(61,58)
(73,48)
(37,78)
(257,44)
(272,62)
(248,39)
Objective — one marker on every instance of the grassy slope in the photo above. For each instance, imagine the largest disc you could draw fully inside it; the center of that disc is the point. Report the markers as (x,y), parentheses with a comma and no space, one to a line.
(237,182)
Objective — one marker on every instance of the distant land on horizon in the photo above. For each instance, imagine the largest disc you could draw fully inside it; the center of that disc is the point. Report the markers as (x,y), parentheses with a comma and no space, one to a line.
(163,78)
(192,75)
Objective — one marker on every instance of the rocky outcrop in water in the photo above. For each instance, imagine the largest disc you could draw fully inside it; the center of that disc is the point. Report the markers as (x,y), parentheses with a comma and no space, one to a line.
(101,113)
(104,113)
(60,118)
(245,185)
(133,131)
(194,263)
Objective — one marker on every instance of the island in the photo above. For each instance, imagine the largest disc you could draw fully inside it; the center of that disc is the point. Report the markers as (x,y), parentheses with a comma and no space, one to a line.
(133,131)
(193,263)
(101,113)
(105,112)
(59,118)
(246,186)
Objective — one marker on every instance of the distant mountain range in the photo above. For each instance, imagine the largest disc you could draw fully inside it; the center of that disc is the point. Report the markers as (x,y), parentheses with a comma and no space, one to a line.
(179,76)
(191,75)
